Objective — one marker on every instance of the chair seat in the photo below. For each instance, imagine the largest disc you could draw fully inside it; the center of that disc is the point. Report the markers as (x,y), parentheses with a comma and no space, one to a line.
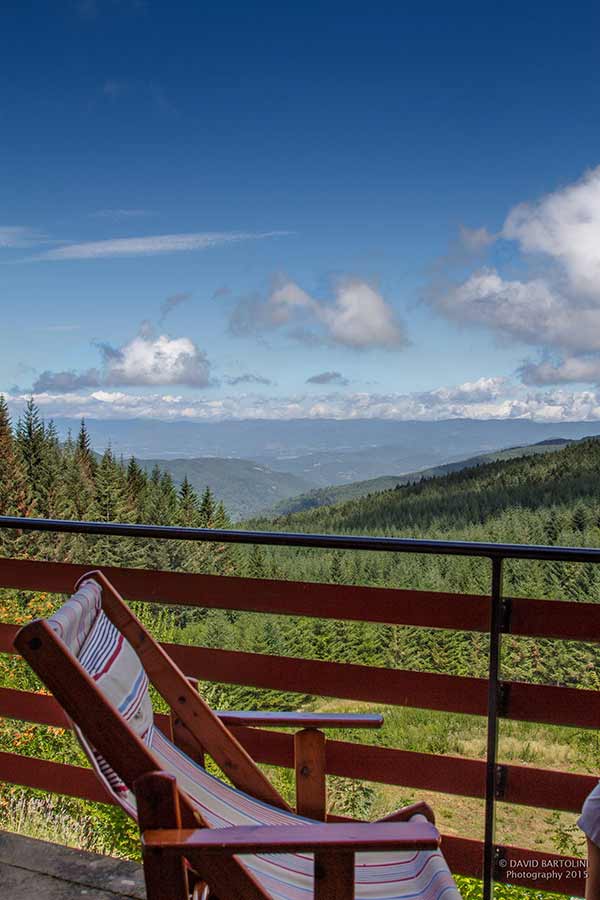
(422,874)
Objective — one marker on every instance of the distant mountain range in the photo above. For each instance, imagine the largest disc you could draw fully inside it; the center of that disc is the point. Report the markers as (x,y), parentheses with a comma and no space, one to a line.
(255,465)
(324,451)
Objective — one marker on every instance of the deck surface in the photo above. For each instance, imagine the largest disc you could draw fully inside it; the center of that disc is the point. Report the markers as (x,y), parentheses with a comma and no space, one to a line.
(30,868)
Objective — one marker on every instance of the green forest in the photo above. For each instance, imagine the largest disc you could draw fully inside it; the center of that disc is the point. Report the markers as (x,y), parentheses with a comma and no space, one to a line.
(552,498)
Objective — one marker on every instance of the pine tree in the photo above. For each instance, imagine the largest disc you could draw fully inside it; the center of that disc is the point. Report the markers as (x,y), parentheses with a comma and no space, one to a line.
(579,518)
(78,501)
(207,509)
(188,506)
(14,497)
(255,563)
(336,572)
(30,442)
(85,455)
(137,483)
(112,506)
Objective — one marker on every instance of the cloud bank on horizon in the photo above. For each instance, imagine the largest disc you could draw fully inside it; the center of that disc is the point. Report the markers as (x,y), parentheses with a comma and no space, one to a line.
(486,398)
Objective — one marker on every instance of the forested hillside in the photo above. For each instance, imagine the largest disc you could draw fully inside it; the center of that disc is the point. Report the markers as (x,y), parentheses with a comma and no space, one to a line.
(339,493)
(243,486)
(552,498)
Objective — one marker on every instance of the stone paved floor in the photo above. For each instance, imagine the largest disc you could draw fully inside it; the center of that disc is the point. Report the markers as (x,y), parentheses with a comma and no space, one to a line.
(32,870)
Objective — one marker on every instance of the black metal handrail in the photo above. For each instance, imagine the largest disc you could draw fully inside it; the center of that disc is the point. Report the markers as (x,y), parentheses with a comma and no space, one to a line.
(495,552)
(487,550)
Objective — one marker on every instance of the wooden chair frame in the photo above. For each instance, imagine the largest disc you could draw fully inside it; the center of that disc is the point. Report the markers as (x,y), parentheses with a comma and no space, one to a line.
(196,728)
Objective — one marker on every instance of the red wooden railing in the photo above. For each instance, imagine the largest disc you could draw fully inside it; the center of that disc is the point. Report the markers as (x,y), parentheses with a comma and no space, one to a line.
(535,787)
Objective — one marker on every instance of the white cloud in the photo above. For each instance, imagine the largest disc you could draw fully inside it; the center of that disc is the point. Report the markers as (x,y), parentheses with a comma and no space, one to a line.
(485,398)
(147,359)
(285,301)
(565,226)
(360,317)
(484,390)
(357,316)
(157,360)
(530,311)
(149,246)
(558,310)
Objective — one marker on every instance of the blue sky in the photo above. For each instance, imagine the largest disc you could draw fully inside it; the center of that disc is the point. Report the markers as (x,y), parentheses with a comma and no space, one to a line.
(268,209)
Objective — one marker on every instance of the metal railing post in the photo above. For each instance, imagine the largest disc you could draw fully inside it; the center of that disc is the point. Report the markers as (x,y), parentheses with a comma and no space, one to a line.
(492,726)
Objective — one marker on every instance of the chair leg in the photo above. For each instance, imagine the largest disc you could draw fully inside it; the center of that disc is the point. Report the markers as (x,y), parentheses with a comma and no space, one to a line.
(334,875)
(309,762)
(158,807)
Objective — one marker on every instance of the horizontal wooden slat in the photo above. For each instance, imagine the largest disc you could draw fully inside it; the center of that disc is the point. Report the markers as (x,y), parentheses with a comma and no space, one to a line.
(384,765)
(73,781)
(525,785)
(330,679)
(29,707)
(552,705)
(547,788)
(7,636)
(562,619)
(327,601)
(463,855)
(432,609)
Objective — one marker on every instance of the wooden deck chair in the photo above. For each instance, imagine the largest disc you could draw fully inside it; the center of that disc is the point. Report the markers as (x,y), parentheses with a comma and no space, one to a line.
(201,835)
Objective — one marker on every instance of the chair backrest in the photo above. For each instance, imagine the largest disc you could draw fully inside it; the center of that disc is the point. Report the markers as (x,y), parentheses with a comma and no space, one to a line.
(114,666)
(98,660)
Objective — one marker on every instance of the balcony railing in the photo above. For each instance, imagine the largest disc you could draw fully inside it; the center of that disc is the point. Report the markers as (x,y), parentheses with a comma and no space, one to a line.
(492,698)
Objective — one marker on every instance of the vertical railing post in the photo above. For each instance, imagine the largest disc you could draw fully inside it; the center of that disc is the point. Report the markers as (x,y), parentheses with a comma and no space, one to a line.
(492,726)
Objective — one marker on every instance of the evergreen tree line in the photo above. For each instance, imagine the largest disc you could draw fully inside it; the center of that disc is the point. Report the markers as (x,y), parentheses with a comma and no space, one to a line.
(545,499)
(44,477)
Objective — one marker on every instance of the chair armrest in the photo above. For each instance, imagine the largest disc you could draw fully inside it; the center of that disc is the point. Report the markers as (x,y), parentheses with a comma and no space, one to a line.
(350,837)
(253,718)
(300,720)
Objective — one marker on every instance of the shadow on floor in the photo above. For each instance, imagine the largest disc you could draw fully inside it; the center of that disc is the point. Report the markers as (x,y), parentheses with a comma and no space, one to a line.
(30,868)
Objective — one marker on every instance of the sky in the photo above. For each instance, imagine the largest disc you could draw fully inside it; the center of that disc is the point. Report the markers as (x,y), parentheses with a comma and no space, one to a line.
(277,210)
